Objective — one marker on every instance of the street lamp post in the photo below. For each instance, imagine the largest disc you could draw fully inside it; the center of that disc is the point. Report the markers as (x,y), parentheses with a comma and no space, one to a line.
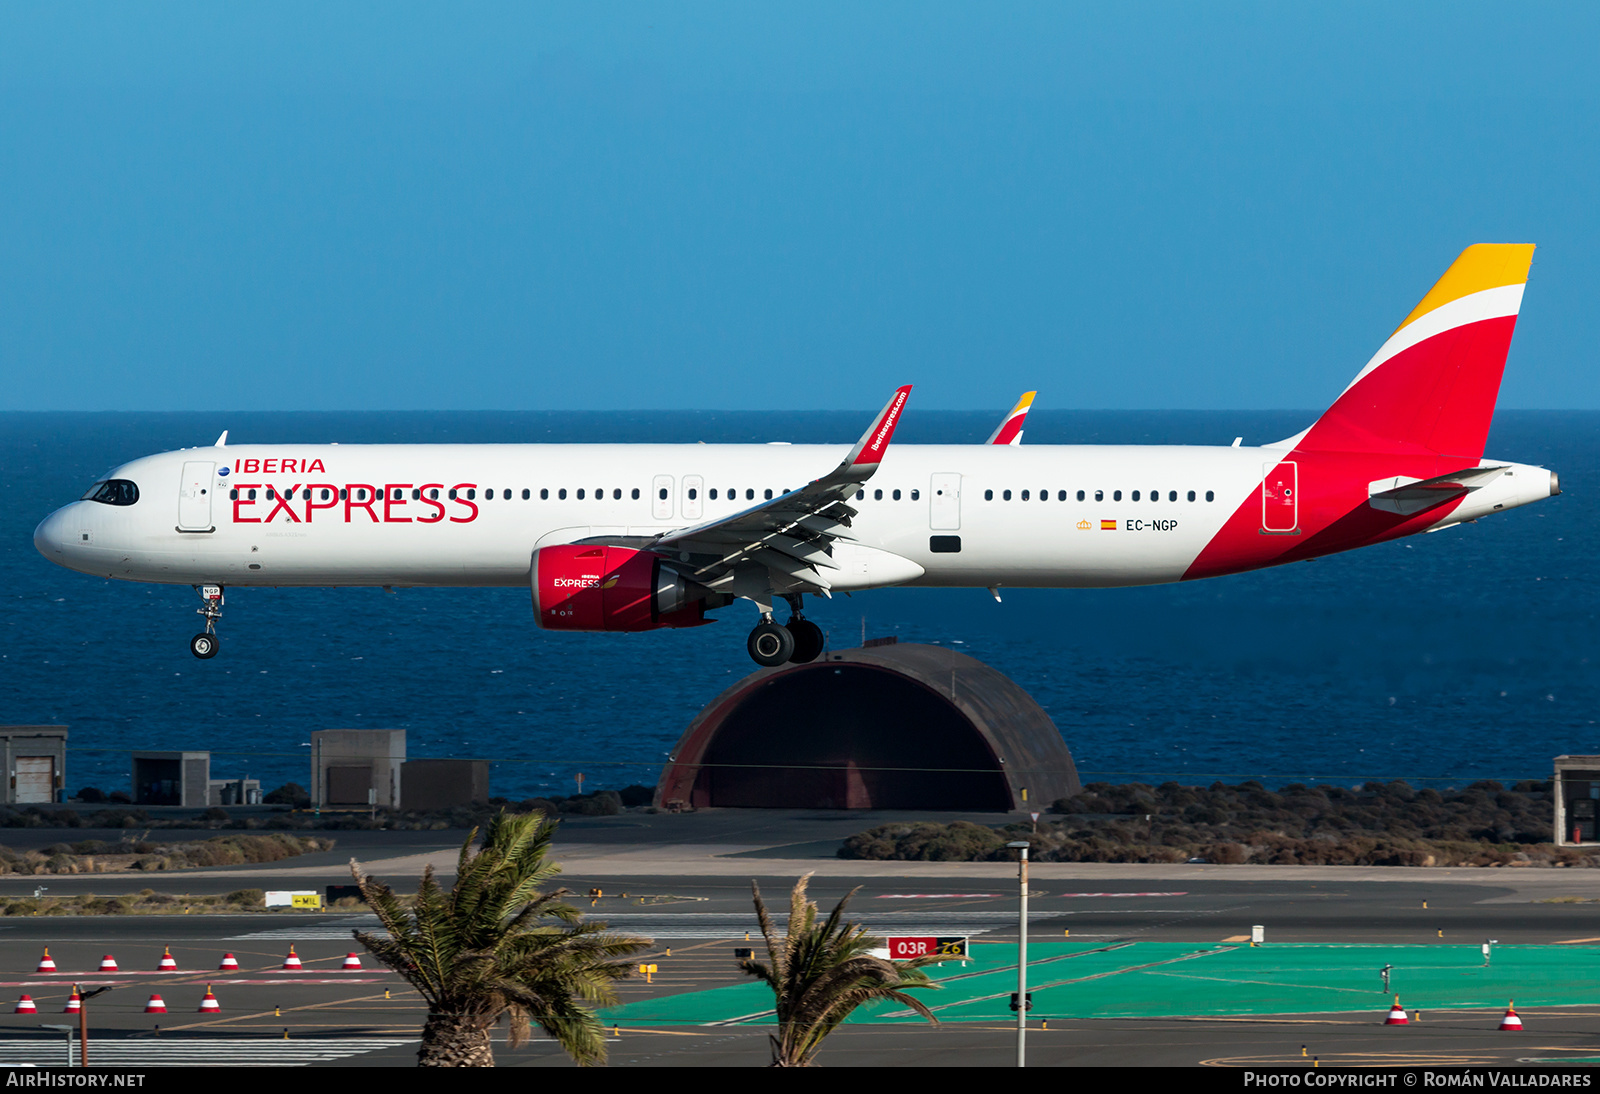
(1021,847)
(83,1022)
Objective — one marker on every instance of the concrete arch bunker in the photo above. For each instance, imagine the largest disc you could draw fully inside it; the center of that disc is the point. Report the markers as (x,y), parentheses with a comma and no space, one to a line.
(902,726)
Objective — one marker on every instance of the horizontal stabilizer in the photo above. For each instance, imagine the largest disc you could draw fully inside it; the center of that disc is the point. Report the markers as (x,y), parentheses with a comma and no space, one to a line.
(1406,495)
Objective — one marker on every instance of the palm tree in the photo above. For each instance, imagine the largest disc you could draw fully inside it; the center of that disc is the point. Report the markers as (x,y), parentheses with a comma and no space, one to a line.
(819,973)
(495,945)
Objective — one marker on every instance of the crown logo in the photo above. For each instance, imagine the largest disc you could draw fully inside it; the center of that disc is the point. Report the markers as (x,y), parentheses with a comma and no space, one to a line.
(1084,526)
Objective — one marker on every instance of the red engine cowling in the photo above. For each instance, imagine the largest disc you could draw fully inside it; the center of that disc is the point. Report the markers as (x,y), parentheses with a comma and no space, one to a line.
(589,587)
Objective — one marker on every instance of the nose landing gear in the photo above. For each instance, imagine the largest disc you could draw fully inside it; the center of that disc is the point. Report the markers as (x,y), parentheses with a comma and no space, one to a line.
(204,645)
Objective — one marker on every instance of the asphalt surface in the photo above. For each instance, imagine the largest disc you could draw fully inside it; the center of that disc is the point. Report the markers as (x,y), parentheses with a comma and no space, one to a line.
(685,882)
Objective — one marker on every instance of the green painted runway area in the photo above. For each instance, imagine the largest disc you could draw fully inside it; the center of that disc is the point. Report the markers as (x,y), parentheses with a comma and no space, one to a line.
(1169,979)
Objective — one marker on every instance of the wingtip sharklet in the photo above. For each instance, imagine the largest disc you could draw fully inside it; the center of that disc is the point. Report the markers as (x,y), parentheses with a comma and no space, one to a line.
(1009,430)
(869,450)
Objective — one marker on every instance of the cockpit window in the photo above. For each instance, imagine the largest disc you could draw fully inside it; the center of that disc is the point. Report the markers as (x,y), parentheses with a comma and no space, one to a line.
(113,492)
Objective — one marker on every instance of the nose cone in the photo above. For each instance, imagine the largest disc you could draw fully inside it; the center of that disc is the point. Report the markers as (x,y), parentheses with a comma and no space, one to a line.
(50,538)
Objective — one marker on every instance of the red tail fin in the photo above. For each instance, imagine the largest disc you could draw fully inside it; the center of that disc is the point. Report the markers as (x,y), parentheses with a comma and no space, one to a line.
(1432,387)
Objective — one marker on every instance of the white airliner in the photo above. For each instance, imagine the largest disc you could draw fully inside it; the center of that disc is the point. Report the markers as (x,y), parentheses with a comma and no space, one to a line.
(613,537)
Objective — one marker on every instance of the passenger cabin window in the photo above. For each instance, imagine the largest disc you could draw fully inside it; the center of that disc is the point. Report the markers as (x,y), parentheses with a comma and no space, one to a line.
(1080,496)
(1005,495)
(561,495)
(988,495)
(635,493)
(1116,495)
(1210,496)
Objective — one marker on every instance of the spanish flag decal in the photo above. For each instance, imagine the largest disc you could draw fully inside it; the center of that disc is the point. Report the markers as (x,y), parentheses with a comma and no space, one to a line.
(1108,526)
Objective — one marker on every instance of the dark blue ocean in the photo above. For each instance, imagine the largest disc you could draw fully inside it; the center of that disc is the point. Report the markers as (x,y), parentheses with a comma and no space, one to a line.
(1461,655)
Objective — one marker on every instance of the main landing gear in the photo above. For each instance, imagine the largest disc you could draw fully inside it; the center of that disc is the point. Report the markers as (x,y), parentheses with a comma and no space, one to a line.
(799,642)
(204,644)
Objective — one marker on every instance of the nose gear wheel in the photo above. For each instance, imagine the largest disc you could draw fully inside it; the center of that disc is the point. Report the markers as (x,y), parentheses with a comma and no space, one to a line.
(204,645)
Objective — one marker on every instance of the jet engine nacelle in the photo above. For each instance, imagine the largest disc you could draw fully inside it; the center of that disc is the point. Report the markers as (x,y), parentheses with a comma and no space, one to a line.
(593,587)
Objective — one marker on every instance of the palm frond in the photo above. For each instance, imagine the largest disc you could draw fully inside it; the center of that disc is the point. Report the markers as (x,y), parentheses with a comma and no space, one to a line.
(820,972)
(496,945)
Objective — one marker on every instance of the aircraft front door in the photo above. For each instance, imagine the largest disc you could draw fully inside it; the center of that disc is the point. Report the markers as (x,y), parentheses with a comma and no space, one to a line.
(194,497)
(944,502)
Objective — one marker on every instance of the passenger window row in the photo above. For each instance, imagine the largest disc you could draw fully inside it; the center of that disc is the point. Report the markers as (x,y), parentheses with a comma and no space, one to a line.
(1099,495)
(894,495)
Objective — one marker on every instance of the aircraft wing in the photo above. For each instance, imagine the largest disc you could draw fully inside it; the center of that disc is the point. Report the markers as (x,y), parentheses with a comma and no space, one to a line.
(786,541)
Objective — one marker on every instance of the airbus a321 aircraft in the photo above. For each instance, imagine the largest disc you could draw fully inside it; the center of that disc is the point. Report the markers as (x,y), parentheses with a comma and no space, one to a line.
(613,537)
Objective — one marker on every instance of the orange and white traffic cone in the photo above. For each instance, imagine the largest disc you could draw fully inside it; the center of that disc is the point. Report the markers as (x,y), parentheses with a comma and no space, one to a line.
(108,964)
(155,1005)
(351,961)
(228,964)
(46,963)
(209,1004)
(292,962)
(74,1004)
(1397,1015)
(25,1006)
(168,962)
(1511,1021)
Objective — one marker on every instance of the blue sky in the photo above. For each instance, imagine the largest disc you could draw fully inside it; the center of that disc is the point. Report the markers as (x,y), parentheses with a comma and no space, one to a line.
(1136,205)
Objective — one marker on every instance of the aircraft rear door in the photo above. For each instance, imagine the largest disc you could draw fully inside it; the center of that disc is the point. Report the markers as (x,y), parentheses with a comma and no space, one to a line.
(1280,500)
(944,502)
(194,497)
